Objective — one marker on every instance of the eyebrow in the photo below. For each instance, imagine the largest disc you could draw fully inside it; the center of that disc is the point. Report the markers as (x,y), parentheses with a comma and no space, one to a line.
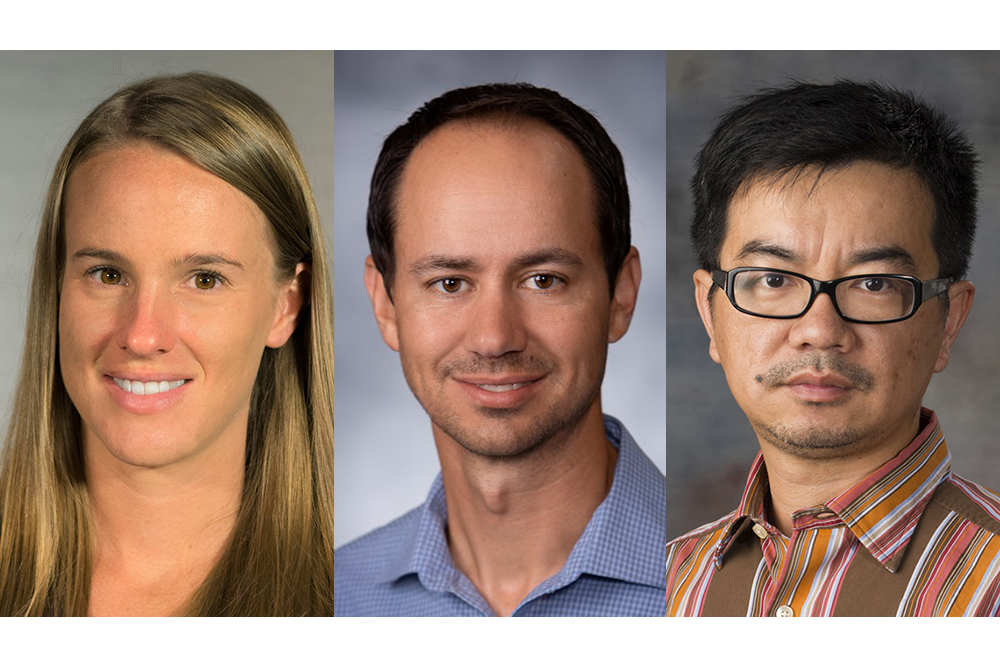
(763,248)
(431,263)
(559,256)
(888,253)
(554,255)
(192,259)
(196,259)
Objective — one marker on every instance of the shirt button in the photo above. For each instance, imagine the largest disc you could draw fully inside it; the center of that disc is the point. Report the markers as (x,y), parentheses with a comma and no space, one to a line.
(784,611)
(760,531)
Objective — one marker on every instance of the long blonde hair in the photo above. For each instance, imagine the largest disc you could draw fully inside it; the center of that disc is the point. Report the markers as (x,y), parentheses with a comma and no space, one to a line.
(279,560)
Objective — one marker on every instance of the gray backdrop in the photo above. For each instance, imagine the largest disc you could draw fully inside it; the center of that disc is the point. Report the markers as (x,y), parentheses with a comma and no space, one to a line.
(711,444)
(44,96)
(385,451)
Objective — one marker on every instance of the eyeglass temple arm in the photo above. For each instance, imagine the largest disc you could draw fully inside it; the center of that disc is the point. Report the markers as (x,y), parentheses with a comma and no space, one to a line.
(932,288)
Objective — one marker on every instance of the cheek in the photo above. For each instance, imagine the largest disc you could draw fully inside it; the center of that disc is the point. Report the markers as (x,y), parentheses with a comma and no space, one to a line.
(430,333)
(83,330)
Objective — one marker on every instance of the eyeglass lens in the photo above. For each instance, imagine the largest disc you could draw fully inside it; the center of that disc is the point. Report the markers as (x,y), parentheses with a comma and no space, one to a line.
(871,298)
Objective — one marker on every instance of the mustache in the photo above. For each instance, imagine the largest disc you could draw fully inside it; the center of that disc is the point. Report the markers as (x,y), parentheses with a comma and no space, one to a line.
(513,362)
(778,374)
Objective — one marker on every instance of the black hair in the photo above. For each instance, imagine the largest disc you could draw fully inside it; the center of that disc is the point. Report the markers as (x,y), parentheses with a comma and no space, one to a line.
(782,131)
(503,102)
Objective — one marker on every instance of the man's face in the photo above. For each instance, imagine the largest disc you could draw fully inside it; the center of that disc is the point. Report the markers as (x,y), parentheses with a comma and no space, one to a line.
(168,300)
(501,310)
(818,386)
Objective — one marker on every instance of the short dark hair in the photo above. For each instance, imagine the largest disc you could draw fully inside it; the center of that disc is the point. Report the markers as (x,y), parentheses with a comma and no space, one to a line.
(504,102)
(781,131)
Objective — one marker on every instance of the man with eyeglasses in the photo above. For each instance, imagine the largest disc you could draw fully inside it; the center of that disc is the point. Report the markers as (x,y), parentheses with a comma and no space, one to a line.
(833,226)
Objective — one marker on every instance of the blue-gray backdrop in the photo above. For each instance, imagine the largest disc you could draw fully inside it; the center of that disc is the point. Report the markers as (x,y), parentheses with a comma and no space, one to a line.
(385,456)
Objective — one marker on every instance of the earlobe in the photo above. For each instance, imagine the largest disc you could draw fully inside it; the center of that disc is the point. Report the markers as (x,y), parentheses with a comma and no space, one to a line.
(625,295)
(289,305)
(960,296)
(382,305)
(702,289)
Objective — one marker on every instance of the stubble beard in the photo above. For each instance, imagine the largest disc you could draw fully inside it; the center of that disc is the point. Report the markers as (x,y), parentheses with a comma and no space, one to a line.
(814,442)
(500,433)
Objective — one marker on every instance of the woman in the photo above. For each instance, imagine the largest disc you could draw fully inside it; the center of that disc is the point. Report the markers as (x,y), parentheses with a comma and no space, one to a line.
(170,449)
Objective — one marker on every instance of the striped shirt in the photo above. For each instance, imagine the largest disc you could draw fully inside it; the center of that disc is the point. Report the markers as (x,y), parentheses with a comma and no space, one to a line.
(911,539)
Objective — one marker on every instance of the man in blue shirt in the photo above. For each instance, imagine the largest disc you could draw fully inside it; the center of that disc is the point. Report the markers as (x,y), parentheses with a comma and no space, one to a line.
(501,269)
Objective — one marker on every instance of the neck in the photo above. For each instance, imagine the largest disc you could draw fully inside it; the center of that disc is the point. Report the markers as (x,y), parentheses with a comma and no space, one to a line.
(512,523)
(798,481)
(158,531)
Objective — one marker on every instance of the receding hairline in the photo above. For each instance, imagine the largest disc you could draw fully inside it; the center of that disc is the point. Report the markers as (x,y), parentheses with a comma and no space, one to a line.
(506,122)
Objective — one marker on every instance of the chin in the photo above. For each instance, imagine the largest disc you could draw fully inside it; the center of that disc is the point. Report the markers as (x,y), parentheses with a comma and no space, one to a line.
(811,441)
(509,433)
(141,447)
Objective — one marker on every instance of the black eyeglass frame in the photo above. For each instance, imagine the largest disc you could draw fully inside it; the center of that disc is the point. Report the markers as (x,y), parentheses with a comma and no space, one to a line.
(923,290)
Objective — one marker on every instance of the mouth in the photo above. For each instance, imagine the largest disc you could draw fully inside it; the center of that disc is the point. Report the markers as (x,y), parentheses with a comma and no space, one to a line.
(817,389)
(499,388)
(831,380)
(499,392)
(147,388)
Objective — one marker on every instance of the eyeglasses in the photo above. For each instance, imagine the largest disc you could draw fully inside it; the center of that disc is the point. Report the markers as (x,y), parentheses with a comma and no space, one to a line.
(874,298)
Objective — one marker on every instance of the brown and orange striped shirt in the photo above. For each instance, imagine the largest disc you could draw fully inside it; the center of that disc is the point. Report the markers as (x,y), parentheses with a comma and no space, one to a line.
(911,539)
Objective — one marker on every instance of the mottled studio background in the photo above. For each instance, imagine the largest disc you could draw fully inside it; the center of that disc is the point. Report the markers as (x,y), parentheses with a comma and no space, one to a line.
(385,456)
(710,443)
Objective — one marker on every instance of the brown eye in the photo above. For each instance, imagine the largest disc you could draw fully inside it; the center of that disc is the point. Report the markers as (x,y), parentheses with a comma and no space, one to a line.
(205,281)
(110,276)
(542,281)
(451,285)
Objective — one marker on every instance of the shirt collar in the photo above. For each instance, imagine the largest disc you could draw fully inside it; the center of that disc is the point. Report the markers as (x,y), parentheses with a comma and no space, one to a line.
(882,510)
(631,516)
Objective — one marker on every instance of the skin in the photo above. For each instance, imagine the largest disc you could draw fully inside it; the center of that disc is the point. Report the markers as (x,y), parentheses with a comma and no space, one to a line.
(829,400)
(500,281)
(169,273)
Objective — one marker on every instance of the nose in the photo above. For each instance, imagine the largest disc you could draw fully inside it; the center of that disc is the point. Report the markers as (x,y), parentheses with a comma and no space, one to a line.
(822,328)
(146,322)
(495,324)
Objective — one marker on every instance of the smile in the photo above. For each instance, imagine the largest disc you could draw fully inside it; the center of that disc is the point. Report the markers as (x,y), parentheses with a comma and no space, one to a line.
(140,388)
(497,388)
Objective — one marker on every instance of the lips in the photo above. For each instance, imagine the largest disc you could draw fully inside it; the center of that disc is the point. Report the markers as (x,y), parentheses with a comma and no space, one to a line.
(505,391)
(819,380)
(818,388)
(145,393)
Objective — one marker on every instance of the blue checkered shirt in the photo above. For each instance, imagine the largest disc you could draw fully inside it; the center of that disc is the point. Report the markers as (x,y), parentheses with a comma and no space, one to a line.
(616,567)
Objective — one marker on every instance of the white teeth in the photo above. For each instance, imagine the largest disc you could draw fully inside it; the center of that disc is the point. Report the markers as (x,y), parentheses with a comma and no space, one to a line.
(501,387)
(147,388)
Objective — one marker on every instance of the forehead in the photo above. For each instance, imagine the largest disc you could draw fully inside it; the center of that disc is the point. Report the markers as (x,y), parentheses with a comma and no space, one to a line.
(476,185)
(143,193)
(833,215)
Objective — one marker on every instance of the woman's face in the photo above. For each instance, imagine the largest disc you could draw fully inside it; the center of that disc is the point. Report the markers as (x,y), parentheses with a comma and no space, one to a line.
(168,299)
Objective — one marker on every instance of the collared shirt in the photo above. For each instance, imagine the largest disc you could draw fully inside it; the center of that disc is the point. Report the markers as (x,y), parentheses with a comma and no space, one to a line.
(911,539)
(615,568)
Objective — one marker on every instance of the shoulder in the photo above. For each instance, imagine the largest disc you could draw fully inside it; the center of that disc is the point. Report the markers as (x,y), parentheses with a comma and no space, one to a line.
(362,565)
(976,504)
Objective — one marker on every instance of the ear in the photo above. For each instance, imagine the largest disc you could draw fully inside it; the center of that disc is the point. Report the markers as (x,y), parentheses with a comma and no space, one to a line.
(382,305)
(960,297)
(625,295)
(702,288)
(288,306)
